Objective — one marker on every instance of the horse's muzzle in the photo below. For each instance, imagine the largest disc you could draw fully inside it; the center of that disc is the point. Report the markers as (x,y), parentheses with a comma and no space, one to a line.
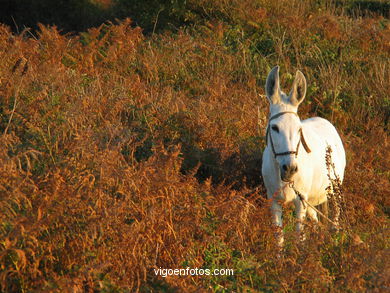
(288,171)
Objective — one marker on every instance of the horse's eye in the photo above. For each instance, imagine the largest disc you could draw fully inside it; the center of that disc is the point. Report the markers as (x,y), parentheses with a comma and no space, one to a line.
(275,128)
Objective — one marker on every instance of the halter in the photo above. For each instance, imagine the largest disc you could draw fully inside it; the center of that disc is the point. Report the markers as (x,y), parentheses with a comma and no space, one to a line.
(301,137)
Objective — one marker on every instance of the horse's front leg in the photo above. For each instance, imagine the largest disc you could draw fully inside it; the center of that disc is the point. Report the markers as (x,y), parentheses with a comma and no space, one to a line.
(276,210)
(300,210)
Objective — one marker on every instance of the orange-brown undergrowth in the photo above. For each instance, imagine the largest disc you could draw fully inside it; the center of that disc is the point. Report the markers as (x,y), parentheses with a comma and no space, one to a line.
(121,153)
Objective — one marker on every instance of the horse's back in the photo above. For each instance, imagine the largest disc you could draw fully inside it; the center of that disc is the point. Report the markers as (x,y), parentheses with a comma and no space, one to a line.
(326,134)
(320,125)
(323,129)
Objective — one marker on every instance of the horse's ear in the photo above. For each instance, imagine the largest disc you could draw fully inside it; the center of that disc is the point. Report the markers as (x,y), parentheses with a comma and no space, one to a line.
(272,87)
(298,91)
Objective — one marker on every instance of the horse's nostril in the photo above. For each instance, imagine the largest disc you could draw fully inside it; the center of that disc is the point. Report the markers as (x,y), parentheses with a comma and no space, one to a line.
(296,169)
(285,167)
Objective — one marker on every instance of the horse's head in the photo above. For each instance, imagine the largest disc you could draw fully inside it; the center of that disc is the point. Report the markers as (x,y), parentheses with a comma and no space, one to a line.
(284,131)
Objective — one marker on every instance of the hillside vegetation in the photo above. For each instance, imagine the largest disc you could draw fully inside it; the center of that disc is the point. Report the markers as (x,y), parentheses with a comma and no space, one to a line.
(123,151)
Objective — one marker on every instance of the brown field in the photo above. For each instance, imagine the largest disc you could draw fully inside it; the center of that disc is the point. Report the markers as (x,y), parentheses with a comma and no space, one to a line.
(122,152)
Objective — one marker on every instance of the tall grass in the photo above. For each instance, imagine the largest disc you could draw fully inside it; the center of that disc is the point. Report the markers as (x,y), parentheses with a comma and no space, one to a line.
(122,152)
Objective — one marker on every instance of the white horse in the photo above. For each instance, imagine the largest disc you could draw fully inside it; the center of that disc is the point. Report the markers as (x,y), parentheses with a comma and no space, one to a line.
(295,153)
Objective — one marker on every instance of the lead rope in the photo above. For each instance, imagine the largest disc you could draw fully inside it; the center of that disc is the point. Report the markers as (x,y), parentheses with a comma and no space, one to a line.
(305,202)
(334,192)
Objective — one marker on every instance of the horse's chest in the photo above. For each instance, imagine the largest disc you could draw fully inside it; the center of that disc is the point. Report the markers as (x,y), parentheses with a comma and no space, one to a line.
(289,195)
